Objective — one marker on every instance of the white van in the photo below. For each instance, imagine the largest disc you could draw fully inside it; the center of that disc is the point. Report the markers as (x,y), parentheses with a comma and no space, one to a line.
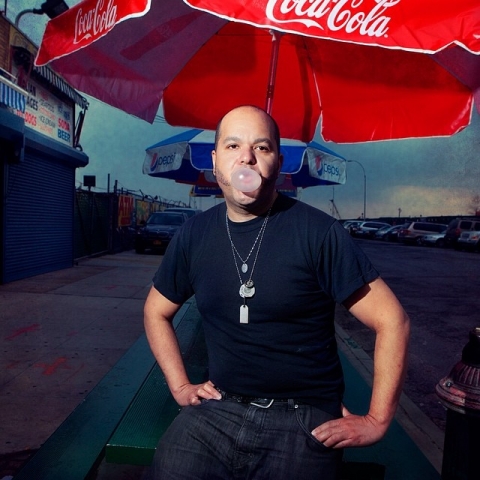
(414,231)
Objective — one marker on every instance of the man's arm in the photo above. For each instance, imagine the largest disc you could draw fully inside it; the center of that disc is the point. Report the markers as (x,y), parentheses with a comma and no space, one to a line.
(158,317)
(376,306)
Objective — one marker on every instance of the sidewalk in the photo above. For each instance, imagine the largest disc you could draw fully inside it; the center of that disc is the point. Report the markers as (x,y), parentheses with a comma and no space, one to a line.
(62,332)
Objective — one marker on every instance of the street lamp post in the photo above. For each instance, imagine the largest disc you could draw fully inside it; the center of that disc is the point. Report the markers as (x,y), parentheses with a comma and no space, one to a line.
(52,8)
(364,188)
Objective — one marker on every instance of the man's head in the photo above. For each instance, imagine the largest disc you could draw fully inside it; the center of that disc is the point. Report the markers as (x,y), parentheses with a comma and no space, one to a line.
(276,129)
(247,137)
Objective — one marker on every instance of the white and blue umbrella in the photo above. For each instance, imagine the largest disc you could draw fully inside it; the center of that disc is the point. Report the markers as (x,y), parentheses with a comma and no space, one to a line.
(186,158)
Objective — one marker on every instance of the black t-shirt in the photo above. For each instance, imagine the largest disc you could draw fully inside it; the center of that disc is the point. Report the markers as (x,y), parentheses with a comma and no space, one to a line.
(306,264)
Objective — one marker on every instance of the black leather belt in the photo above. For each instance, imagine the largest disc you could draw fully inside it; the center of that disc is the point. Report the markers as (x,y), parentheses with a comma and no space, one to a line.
(257,401)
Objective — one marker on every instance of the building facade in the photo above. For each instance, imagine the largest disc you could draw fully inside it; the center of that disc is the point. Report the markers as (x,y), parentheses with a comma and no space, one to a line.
(40,123)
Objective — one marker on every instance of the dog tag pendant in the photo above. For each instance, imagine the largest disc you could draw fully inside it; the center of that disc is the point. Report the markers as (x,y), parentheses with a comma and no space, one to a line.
(243,314)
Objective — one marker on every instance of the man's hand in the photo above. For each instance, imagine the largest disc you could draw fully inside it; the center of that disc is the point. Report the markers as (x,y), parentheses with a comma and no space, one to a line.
(350,431)
(189,394)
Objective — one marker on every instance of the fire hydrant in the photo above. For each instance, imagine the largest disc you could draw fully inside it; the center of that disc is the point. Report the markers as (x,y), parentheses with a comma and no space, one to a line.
(459,392)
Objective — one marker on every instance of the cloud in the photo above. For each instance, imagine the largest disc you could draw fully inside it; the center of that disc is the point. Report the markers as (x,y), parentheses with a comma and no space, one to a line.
(115,143)
(413,200)
(416,201)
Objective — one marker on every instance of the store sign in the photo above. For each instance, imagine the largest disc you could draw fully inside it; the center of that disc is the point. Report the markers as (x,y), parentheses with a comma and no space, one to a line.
(205,190)
(46,114)
(125,210)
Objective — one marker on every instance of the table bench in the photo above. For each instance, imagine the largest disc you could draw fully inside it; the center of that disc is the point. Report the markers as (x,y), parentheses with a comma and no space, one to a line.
(153,409)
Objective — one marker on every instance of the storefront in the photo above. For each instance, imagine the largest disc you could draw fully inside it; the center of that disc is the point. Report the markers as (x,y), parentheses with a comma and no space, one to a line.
(38,158)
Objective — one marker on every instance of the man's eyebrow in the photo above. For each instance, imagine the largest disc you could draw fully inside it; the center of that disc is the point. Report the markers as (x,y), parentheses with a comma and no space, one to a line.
(233,138)
(264,139)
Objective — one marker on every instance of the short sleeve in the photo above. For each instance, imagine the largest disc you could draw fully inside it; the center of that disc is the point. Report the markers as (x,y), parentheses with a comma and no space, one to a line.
(344,267)
(172,277)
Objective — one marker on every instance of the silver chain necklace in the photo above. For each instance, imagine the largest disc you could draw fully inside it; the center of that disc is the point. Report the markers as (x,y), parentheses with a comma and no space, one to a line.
(244,262)
(235,251)
(247,289)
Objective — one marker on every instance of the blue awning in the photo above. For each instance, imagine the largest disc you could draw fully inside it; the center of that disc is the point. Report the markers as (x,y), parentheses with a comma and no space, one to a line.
(11,95)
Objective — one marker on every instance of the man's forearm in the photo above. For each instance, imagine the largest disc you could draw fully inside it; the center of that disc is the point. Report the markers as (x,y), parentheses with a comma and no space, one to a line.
(165,348)
(390,366)
(377,307)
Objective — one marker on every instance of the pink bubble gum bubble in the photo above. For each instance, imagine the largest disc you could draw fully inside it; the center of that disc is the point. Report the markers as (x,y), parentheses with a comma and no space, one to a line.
(246,179)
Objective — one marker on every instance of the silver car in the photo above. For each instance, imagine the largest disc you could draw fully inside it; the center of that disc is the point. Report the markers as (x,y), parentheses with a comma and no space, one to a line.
(389,234)
(469,241)
(433,239)
(368,229)
(414,231)
(351,225)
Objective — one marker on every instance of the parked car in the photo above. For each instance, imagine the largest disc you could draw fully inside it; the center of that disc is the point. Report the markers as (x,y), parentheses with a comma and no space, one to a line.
(347,223)
(351,225)
(433,239)
(469,241)
(158,231)
(368,229)
(459,225)
(190,212)
(389,234)
(414,231)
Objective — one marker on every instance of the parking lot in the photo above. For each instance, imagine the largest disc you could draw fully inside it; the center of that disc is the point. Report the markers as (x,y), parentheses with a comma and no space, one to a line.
(438,288)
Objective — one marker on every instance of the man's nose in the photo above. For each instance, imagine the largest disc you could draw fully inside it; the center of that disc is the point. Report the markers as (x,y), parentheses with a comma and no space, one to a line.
(248,157)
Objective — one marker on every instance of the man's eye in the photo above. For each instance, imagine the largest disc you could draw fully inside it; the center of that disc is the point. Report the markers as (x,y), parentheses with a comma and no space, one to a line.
(263,148)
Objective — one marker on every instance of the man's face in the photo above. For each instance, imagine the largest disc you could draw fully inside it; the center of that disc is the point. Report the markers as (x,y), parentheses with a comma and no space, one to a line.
(246,140)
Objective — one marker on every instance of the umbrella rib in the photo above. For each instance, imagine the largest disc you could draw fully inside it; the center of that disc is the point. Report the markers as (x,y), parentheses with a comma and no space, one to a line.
(276,37)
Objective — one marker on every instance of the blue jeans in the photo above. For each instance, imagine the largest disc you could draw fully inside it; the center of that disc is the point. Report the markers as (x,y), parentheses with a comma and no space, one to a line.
(223,440)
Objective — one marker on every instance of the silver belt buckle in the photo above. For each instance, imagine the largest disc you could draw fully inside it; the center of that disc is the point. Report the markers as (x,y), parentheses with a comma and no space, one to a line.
(263,405)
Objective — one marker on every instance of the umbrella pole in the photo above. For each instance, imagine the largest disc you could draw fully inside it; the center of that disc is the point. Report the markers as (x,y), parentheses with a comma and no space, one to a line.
(276,36)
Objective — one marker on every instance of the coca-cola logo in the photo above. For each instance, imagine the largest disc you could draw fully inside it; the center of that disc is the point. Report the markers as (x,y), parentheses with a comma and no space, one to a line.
(95,22)
(334,15)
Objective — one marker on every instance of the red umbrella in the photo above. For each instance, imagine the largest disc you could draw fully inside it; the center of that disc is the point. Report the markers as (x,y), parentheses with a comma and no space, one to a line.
(201,65)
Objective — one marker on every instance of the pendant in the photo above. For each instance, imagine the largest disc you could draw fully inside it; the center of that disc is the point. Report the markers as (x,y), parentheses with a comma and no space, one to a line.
(247,290)
(243,314)
(244,268)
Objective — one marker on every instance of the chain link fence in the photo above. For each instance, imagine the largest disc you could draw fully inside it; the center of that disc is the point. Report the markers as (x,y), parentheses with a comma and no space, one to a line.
(107,222)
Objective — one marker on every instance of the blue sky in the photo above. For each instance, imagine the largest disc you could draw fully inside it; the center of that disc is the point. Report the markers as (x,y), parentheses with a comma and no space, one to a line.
(435,176)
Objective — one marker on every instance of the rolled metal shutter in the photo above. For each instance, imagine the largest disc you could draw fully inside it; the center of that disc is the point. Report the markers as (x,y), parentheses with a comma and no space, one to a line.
(39,198)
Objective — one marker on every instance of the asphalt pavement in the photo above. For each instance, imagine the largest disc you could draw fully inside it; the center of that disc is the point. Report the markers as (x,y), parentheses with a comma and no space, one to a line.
(438,287)
(63,331)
